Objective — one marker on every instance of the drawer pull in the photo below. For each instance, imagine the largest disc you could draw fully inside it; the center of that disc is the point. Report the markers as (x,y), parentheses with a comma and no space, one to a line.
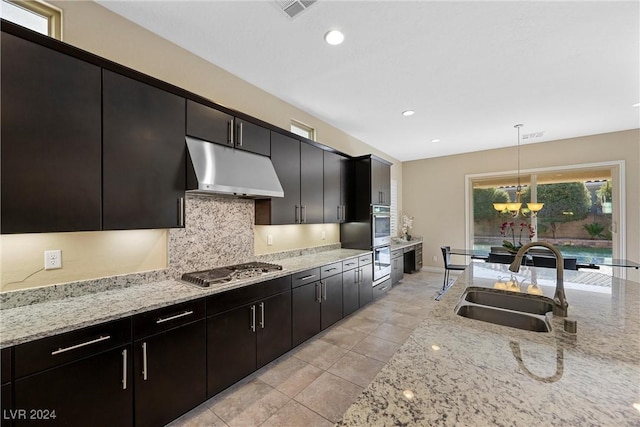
(350,263)
(177,316)
(84,344)
(124,369)
(308,277)
(331,269)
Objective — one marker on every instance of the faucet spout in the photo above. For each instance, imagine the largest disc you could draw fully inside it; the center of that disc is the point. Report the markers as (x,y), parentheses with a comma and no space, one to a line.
(560,300)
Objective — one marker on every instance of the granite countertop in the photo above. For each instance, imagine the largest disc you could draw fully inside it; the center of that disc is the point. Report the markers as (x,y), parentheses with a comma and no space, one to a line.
(398,243)
(459,371)
(22,324)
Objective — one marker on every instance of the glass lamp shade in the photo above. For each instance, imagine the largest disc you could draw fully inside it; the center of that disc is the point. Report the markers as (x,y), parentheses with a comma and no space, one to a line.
(535,207)
(500,206)
(513,207)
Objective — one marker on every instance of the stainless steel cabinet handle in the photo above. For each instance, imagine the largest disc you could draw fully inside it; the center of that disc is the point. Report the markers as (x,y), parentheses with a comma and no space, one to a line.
(253,318)
(344,213)
(240,135)
(124,369)
(231,132)
(357,275)
(262,315)
(318,297)
(297,220)
(84,344)
(181,211)
(330,269)
(324,291)
(339,212)
(308,277)
(303,214)
(177,316)
(144,361)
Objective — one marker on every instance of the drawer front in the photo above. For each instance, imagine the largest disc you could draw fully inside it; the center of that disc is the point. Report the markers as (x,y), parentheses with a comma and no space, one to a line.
(166,318)
(304,277)
(365,259)
(46,353)
(330,270)
(381,289)
(397,253)
(228,300)
(349,264)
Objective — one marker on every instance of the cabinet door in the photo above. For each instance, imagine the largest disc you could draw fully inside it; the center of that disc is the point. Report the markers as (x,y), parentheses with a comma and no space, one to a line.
(95,391)
(331,306)
(51,142)
(252,137)
(144,163)
(366,284)
(231,347)
(306,312)
(380,183)
(285,155)
(174,380)
(333,206)
(350,291)
(397,270)
(208,123)
(273,328)
(311,188)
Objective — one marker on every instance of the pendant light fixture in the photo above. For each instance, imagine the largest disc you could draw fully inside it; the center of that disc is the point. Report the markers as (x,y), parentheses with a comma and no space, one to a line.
(515,208)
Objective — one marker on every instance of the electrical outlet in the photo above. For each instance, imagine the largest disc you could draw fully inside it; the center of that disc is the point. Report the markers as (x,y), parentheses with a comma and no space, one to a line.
(435,258)
(324,235)
(52,259)
(269,239)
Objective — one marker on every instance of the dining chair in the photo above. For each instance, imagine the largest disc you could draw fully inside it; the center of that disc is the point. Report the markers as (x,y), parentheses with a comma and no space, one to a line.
(446,257)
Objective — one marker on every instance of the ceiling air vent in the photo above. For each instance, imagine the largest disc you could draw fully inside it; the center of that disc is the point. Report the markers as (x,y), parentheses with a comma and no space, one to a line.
(533,135)
(293,7)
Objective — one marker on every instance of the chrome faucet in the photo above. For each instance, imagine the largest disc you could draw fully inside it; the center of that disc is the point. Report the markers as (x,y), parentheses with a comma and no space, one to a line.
(560,300)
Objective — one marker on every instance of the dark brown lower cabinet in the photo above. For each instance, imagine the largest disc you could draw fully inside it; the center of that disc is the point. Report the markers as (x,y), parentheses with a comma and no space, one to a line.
(316,306)
(247,337)
(79,378)
(170,373)
(366,284)
(350,291)
(95,391)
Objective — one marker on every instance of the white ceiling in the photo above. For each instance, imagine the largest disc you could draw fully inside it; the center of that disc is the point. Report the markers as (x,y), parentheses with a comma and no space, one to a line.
(470,70)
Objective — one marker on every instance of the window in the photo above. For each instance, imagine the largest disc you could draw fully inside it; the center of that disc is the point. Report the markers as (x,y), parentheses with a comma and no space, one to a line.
(580,216)
(35,15)
(303,130)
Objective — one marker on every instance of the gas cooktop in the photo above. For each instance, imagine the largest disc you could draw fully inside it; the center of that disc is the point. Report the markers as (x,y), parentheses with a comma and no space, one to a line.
(206,278)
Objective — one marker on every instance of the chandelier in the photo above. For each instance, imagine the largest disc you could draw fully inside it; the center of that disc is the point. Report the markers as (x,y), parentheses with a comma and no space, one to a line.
(515,208)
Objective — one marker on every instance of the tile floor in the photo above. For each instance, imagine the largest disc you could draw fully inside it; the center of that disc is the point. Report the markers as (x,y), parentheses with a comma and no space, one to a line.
(315,383)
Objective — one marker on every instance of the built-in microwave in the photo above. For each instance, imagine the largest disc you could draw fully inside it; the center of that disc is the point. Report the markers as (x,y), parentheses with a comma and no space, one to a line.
(380,225)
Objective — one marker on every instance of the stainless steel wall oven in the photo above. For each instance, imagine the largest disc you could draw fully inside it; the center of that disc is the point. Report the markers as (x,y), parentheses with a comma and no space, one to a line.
(380,225)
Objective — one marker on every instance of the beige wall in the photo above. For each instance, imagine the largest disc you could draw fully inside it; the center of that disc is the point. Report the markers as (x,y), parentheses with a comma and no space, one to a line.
(434,189)
(93,28)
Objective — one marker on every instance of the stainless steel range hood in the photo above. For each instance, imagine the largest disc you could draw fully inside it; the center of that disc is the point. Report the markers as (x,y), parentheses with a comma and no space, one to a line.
(230,171)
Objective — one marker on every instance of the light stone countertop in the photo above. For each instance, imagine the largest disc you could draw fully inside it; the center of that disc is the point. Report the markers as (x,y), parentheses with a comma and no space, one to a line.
(398,243)
(23,324)
(465,372)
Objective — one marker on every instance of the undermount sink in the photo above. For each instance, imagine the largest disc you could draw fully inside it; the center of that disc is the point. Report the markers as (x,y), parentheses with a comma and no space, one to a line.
(511,301)
(506,308)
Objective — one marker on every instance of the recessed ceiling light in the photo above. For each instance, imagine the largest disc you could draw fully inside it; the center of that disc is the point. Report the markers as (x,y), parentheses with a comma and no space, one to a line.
(637,104)
(334,37)
(435,140)
(408,113)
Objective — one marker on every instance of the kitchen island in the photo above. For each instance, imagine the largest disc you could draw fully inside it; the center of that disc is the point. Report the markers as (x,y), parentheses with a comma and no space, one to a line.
(459,371)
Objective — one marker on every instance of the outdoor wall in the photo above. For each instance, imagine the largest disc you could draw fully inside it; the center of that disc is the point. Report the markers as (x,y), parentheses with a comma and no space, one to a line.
(434,189)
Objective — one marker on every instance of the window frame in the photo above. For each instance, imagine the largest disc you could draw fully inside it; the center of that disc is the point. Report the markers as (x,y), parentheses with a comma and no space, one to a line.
(310,131)
(52,14)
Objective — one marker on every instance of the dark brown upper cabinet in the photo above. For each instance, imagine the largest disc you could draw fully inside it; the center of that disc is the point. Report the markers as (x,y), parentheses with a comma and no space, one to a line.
(144,155)
(336,179)
(213,125)
(299,167)
(50,151)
